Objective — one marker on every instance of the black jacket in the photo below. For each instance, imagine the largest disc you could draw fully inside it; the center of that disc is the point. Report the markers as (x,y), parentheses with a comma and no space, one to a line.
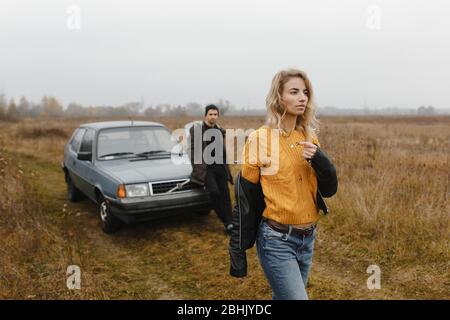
(249,205)
(199,170)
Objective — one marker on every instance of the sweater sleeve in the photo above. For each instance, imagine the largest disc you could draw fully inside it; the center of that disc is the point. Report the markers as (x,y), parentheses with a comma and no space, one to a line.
(250,162)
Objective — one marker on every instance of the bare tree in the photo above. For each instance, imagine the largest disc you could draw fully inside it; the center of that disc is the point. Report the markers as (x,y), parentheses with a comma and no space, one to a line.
(51,107)
(2,106)
(426,111)
(24,108)
(12,113)
(194,109)
(75,110)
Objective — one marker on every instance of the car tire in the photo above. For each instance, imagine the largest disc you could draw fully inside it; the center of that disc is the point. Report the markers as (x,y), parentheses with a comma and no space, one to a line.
(109,223)
(73,193)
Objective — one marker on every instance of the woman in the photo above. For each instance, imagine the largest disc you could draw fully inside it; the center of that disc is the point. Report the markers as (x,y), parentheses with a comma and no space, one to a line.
(285,158)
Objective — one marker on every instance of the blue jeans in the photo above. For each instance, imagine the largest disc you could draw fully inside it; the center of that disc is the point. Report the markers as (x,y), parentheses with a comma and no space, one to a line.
(286,261)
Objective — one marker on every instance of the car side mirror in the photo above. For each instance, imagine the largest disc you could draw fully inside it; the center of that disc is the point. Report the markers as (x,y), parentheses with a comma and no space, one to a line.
(84,156)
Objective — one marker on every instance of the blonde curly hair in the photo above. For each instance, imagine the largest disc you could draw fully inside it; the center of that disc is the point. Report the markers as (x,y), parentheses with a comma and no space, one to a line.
(276,110)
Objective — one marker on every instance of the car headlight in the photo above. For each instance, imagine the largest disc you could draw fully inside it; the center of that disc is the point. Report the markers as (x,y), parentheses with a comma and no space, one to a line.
(137,190)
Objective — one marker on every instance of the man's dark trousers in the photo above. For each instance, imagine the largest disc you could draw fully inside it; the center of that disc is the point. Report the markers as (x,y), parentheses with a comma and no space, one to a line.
(217,185)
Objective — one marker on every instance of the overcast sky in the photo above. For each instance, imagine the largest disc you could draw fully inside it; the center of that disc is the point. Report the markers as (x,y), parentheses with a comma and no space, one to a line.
(356,52)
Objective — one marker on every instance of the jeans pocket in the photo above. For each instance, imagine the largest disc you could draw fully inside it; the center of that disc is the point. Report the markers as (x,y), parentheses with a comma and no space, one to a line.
(270,233)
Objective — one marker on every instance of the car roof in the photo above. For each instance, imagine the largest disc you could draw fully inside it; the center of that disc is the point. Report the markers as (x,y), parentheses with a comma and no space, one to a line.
(119,124)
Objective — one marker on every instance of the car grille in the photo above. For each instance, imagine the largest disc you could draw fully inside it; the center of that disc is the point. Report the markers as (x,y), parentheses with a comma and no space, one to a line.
(165,187)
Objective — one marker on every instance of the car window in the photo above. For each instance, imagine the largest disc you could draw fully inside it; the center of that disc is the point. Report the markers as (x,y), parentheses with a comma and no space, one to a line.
(75,144)
(161,139)
(86,143)
(133,140)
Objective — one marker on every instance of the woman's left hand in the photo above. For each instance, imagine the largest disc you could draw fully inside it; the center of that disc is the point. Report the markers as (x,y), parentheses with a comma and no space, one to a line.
(309,149)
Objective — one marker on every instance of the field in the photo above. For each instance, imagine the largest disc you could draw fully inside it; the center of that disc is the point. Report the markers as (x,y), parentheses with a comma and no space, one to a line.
(391,210)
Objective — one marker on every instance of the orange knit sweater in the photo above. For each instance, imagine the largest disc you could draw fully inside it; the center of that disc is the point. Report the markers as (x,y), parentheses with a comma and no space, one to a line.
(288,181)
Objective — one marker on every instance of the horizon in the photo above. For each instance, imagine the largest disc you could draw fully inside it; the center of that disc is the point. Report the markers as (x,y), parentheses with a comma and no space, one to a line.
(233,107)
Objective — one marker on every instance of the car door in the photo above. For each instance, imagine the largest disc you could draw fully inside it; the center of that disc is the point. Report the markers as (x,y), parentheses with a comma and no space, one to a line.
(72,160)
(85,167)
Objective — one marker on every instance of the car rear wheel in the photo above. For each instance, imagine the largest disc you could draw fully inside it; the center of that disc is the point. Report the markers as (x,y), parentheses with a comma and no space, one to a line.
(73,193)
(108,221)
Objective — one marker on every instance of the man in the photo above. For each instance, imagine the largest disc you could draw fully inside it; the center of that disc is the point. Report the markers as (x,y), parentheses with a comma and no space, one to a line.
(210,168)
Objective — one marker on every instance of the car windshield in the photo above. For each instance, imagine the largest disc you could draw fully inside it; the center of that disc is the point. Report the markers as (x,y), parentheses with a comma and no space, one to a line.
(134,141)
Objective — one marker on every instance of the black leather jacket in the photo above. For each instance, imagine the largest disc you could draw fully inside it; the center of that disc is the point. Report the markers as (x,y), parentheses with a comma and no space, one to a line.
(199,170)
(249,205)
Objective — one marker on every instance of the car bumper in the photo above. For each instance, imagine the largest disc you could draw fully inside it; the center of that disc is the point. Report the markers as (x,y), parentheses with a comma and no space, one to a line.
(159,206)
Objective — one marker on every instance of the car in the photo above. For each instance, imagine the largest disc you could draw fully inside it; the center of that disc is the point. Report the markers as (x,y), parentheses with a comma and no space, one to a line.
(133,170)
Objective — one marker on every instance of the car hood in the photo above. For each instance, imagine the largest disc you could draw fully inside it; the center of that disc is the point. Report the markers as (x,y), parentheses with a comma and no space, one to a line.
(146,170)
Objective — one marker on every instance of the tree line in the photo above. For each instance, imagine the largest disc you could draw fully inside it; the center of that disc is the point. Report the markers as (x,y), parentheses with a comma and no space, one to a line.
(50,107)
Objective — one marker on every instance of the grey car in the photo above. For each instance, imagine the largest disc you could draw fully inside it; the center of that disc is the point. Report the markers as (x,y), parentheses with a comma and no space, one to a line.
(132,170)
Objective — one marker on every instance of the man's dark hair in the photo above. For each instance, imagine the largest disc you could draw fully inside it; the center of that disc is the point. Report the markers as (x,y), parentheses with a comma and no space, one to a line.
(211,107)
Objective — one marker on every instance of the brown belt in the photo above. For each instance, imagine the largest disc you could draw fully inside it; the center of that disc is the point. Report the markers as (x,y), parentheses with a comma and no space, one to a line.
(294,231)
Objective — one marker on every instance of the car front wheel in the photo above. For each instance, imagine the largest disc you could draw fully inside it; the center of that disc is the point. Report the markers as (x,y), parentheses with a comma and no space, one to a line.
(109,222)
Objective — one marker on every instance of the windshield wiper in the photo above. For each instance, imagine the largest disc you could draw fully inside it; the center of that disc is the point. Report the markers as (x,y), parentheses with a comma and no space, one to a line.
(116,154)
(151,152)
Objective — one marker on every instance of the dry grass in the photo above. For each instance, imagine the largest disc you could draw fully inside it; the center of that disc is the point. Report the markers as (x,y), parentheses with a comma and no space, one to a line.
(37,132)
(392,209)
(32,245)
